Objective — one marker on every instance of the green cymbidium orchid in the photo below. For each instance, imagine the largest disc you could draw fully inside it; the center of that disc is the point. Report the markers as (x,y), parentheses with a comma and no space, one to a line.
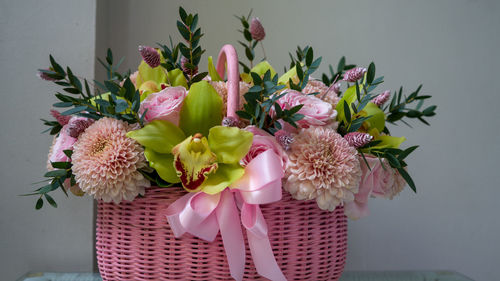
(183,154)
(377,116)
(152,80)
(373,125)
(261,68)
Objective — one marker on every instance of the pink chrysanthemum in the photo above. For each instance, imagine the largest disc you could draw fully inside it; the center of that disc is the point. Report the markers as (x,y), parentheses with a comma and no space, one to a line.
(257,30)
(106,162)
(325,93)
(221,88)
(322,166)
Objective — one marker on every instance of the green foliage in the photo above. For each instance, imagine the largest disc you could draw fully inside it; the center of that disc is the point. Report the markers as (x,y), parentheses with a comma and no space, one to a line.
(305,57)
(395,157)
(398,108)
(261,98)
(171,55)
(249,44)
(54,180)
(187,27)
(338,74)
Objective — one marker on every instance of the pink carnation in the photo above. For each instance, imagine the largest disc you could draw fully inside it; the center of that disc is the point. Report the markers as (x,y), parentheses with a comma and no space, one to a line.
(263,141)
(164,105)
(316,112)
(380,181)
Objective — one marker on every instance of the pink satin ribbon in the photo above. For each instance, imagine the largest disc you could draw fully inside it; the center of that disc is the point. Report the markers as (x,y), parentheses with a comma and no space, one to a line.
(204,215)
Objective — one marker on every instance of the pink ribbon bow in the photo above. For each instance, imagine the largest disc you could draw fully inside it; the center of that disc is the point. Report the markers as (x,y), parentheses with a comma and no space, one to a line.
(203,215)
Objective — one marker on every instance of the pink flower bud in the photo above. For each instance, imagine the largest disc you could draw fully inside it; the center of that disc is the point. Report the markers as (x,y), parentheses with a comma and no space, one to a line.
(357,139)
(353,75)
(185,69)
(61,119)
(284,138)
(230,122)
(257,30)
(382,98)
(150,56)
(77,125)
(44,76)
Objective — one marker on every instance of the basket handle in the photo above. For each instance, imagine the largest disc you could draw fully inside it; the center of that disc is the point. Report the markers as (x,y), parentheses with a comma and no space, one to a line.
(228,54)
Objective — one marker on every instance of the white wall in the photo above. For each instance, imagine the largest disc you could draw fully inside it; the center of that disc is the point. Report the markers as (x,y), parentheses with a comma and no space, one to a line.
(50,239)
(450,46)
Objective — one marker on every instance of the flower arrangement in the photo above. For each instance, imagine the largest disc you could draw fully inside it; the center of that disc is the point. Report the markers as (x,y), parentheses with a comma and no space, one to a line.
(233,143)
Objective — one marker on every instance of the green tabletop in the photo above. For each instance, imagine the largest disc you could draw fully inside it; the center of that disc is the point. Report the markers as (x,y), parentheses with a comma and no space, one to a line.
(348,276)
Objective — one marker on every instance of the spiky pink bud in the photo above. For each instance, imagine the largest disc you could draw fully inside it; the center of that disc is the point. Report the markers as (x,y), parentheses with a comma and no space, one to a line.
(353,75)
(44,76)
(78,125)
(382,98)
(230,122)
(284,138)
(150,56)
(61,119)
(186,69)
(257,30)
(357,139)
(336,88)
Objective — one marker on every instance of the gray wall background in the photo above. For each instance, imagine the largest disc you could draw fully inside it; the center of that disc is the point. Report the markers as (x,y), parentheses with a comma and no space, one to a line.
(50,239)
(451,46)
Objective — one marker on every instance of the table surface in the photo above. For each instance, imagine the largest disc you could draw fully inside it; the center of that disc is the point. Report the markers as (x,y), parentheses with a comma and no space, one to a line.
(348,276)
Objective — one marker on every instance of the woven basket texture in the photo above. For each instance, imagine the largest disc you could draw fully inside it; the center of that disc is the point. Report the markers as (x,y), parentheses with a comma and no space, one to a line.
(135,242)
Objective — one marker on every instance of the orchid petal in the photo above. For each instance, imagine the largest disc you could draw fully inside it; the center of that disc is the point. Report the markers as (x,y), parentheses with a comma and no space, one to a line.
(194,162)
(230,144)
(163,164)
(225,175)
(214,75)
(159,135)
(202,109)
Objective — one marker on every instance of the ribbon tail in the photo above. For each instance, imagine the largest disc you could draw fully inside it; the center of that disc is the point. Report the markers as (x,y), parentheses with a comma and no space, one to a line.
(262,254)
(232,236)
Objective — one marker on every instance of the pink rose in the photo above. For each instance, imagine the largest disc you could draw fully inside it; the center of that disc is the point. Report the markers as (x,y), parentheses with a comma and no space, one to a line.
(63,142)
(382,182)
(164,105)
(316,111)
(263,141)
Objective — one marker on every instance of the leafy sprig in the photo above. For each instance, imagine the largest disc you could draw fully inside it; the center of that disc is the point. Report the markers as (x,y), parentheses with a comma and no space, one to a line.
(171,55)
(398,108)
(261,98)
(187,27)
(396,159)
(55,180)
(337,75)
(250,44)
(311,65)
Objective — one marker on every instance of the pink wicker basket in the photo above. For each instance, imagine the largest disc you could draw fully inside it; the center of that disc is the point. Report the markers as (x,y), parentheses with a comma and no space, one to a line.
(135,242)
